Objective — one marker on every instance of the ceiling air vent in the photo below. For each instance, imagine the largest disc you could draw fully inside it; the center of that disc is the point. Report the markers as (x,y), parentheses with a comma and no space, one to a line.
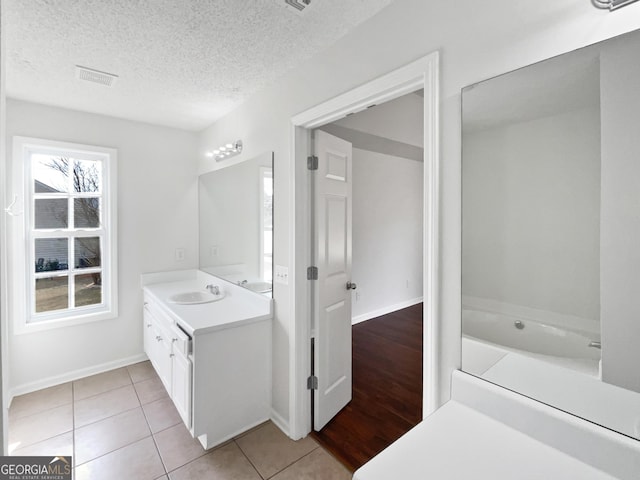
(95,76)
(297,6)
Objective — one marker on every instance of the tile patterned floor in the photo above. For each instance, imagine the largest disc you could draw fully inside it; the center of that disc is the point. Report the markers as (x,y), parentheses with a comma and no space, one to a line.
(121,424)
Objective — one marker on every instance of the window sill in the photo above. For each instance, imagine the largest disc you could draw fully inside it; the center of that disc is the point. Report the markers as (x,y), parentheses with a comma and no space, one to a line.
(75,320)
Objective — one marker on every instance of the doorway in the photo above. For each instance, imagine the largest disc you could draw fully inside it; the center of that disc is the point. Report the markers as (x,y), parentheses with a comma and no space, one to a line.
(383,146)
(421,74)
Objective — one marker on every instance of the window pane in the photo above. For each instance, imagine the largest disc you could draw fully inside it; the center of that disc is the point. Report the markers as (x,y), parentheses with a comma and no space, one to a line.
(51,213)
(87,176)
(52,293)
(87,252)
(267,204)
(86,213)
(50,173)
(52,254)
(88,289)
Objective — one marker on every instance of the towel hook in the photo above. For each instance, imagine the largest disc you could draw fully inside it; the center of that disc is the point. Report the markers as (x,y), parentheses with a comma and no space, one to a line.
(10,207)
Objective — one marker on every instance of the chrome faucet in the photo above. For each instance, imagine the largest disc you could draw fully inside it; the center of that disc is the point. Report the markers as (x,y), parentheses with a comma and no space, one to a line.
(243,282)
(214,289)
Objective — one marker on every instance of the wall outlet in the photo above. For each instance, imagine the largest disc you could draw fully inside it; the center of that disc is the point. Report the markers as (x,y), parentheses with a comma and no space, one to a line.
(357,296)
(179,255)
(282,275)
(213,251)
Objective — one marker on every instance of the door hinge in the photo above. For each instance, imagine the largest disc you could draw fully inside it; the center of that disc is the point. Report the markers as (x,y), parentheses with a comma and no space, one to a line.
(312,273)
(312,162)
(312,383)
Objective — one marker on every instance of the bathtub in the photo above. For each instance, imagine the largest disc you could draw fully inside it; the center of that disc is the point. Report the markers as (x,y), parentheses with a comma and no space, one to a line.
(506,333)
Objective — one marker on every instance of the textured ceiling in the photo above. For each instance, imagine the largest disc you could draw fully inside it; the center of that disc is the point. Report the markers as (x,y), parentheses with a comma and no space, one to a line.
(181,63)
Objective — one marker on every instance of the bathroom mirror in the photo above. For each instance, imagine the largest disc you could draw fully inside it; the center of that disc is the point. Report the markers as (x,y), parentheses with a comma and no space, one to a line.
(551,232)
(236,223)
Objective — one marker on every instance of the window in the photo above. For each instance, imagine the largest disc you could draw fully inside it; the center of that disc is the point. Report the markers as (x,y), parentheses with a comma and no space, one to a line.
(266,223)
(69,231)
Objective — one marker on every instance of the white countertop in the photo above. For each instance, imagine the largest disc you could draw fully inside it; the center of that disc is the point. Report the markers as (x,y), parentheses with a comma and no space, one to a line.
(239,306)
(567,390)
(458,442)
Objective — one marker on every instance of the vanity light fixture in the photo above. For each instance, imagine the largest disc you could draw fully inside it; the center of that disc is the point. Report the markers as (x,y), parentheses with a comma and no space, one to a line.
(226,151)
(611,4)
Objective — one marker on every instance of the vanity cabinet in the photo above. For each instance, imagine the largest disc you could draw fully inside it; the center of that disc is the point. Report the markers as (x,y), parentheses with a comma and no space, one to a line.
(167,346)
(214,359)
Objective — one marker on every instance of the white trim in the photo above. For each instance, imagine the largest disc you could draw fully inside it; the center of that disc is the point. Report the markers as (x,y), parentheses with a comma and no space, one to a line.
(385,310)
(280,422)
(423,73)
(21,293)
(74,375)
(4,243)
(431,397)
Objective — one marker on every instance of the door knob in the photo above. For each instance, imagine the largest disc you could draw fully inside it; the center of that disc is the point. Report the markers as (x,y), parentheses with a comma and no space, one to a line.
(351,286)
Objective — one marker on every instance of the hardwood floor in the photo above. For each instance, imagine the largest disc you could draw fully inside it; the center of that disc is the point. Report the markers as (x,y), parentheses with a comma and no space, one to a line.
(387,388)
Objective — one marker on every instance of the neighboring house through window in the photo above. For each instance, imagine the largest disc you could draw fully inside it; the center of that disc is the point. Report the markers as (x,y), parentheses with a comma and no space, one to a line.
(68,249)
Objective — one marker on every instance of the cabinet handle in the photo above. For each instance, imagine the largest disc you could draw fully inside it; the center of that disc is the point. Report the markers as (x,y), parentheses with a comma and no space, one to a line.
(148,325)
(173,340)
(158,338)
(146,303)
(172,355)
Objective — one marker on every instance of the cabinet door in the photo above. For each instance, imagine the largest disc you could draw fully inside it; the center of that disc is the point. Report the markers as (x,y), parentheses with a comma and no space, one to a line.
(181,387)
(148,333)
(163,362)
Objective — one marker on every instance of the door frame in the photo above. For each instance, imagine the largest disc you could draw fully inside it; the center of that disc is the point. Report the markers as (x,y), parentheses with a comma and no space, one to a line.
(422,73)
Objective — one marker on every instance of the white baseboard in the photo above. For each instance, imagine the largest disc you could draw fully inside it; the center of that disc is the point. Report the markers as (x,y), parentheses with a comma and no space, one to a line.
(383,311)
(74,375)
(280,422)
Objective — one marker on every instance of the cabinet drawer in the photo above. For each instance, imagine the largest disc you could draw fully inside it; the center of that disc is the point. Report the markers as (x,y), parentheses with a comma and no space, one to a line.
(181,341)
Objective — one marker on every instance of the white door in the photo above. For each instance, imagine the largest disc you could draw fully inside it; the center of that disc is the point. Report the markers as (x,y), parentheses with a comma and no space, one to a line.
(332,298)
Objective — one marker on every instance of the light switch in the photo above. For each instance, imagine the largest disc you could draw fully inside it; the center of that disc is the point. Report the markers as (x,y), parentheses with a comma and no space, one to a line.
(282,275)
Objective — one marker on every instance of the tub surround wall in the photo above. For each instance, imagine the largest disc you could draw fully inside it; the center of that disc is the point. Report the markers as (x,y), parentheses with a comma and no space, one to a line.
(157,195)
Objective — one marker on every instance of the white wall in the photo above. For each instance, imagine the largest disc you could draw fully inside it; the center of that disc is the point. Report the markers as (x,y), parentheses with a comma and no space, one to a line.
(156,186)
(387,233)
(620,260)
(531,214)
(476,41)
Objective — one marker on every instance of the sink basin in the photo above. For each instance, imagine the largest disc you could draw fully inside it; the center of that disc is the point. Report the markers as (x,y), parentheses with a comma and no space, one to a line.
(192,298)
(260,287)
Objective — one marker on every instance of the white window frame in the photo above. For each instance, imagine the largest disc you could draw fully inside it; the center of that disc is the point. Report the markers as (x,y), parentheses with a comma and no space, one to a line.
(22,266)
(265,172)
